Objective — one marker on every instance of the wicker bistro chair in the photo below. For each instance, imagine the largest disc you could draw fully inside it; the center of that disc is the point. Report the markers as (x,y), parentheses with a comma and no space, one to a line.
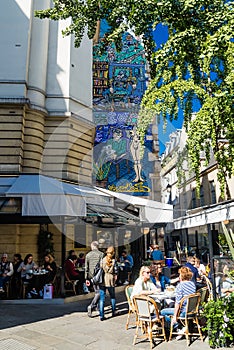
(203,298)
(7,289)
(149,322)
(131,308)
(55,284)
(191,316)
(70,285)
(210,288)
(24,288)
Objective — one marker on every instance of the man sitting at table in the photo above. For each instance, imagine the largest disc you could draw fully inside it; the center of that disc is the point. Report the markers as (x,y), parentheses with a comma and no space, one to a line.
(143,284)
(6,271)
(126,269)
(156,254)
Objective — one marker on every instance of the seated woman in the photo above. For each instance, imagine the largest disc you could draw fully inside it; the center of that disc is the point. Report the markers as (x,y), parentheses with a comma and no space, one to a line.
(16,278)
(51,267)
(143,284)
(200,267)
(159,279)
(185,287)
(154,276)
(227,285)
(26,269)
(42,279)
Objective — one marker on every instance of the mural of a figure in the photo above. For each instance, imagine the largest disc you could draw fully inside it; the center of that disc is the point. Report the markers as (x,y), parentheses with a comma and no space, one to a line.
(120,80)
(119,145)
(135,151)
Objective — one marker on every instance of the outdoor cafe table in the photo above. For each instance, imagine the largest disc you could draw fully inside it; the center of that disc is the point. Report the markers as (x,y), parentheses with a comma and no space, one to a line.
(163,298)
(39,278)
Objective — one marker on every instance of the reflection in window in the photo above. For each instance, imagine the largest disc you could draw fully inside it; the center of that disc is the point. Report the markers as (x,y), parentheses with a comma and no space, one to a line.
(80,236)
(10,205)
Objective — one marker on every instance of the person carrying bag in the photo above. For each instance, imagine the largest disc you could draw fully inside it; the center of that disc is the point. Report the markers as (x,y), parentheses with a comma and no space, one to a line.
(91,261)
(98,274)
(110,272)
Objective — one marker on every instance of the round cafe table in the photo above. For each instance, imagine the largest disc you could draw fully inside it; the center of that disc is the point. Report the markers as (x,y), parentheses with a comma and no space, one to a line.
(164,299)
(39,279)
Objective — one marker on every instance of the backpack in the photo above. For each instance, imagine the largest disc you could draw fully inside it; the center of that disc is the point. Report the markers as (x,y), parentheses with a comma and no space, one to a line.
(97,274)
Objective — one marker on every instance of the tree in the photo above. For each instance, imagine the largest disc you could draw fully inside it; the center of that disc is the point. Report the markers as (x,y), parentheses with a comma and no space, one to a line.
(194,69)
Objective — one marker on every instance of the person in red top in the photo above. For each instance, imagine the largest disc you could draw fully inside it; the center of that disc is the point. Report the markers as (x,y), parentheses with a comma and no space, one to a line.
(70,267)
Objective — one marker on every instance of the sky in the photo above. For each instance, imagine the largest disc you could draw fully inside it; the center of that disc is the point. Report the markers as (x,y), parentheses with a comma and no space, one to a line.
(160,36)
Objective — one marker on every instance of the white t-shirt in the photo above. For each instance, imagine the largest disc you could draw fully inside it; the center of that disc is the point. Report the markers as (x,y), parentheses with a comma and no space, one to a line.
(201,270)
(140,285)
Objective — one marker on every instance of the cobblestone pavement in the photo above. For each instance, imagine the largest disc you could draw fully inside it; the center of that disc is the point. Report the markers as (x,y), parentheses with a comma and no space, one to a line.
(47,325)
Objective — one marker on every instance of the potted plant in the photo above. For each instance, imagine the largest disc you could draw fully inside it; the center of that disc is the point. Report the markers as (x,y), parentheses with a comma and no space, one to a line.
(219,316)
(44,244)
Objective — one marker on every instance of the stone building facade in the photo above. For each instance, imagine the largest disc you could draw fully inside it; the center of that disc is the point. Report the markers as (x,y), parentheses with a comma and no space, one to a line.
(45,109)
(193,212)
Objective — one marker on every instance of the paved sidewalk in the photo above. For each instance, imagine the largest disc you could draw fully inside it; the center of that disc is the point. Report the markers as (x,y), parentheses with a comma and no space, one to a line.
(66,326)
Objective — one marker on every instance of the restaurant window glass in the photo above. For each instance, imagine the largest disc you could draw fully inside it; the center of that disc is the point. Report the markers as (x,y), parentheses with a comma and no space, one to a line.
(105,238)
(10,205)
(80,236)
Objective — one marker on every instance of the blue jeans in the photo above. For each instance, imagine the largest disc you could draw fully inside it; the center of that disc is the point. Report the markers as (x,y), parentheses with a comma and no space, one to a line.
(168,312)
(102,292)
(4,280)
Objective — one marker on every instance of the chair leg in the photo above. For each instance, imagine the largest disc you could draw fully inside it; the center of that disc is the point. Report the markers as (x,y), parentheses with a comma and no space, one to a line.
(23,291)
(187,331)
(171,330)
(129,276)
(163,329)
(150,334)
(127,323)
(7,287)
(136,334)
(199,328)
(74,288)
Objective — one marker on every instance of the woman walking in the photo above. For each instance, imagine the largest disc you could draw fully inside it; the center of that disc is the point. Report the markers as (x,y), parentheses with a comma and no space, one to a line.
(110,268)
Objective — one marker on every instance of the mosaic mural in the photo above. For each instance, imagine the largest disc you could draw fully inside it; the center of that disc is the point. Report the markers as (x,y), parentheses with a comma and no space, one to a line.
(119,82)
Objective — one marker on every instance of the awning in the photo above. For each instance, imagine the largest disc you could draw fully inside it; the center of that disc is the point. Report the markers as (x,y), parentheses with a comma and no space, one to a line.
(45,196)
(103,216)
(39,195)
(202,216)
(149,211)
(108,212)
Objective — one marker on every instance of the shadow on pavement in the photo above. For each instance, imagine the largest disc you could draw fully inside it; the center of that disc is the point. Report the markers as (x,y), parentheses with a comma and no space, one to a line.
(20,314)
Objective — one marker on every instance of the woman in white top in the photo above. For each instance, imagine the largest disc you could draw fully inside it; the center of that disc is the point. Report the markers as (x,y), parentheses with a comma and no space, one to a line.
(26,269)
(200,267)
(143,284)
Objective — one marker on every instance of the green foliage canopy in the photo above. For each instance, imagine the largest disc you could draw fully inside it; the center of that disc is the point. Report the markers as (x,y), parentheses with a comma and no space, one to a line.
(195,64)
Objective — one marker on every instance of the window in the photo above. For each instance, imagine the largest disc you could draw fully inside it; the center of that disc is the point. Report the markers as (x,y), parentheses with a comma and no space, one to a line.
(10,205)
(194,199)
(202,199)
(185,200)
(80,236)
(212,192)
